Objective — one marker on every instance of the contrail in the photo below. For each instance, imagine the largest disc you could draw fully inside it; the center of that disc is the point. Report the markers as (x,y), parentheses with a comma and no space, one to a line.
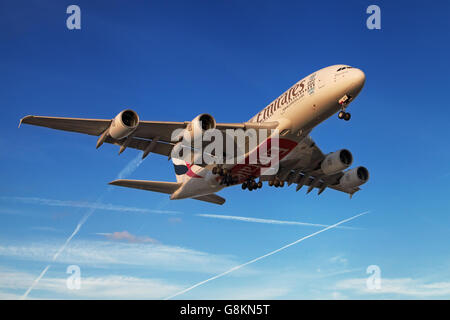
(35,283)
(131,166)
(98,205)
(267,221)
(266,255)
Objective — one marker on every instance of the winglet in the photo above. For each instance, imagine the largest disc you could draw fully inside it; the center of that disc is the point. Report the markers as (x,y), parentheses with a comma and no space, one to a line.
(20,122)
(24,118)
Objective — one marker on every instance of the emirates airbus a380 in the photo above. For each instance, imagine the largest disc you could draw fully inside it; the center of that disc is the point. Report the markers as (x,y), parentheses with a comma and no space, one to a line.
(293,114)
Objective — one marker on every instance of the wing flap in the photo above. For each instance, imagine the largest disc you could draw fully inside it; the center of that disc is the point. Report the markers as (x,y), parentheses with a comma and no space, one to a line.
(161,148)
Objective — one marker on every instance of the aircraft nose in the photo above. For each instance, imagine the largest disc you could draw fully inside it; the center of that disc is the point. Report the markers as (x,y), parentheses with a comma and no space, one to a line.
(358,78)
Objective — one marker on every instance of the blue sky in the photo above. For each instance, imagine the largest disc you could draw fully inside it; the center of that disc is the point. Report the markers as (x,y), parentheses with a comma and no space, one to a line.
(172,60)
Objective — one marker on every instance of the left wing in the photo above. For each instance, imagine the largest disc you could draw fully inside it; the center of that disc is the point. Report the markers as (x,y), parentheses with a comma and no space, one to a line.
(148,136)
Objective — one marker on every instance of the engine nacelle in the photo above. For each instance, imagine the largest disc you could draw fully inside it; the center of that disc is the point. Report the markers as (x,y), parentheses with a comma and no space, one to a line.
(123,124)
(198,125)
(336,162)
(354,177)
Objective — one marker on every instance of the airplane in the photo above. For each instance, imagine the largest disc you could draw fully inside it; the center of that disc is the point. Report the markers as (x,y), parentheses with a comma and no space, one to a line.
(293,114)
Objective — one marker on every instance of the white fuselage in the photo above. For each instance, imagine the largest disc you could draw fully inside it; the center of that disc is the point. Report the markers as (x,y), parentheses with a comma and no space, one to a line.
(298,110)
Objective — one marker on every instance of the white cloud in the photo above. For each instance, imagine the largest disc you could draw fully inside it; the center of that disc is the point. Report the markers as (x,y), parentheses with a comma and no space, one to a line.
(125,235)
(175,220)
(338,260)
(336,295)
(105,287)
(250,292)
(403,287)
(46,229)
(84,204)
(104,253)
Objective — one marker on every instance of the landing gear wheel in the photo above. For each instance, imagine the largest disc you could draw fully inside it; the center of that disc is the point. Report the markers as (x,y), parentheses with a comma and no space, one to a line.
(341,114)
(270,183)
(244,186)
(347,116)
(260,185)
(282,184)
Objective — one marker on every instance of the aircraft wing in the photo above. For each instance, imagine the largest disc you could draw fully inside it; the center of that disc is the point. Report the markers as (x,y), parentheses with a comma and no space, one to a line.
(142,137)
(305,170)
(92,127)
(95,127)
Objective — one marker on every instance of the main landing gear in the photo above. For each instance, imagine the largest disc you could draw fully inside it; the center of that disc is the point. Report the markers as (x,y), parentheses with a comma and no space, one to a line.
(251,184)
(227,178)
(276,183)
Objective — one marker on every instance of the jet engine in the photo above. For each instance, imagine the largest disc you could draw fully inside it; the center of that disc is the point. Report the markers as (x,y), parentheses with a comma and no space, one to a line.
(354,177)
(123,124)
(336,162)
(198,125)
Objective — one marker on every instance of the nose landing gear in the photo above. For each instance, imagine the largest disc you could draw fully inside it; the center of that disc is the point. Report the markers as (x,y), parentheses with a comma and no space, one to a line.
(344,102)
(344,115)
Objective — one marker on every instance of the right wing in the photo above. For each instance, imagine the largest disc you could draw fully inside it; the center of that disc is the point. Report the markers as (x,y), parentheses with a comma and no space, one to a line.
(305,170)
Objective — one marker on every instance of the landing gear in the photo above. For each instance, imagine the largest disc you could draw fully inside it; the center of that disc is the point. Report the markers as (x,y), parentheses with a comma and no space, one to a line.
(251,184)
(344,115)
(276,183)
(227,178)
(344,102)
(220,171)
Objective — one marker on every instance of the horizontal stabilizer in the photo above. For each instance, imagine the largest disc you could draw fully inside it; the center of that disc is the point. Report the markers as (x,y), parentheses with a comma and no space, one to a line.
(213,198)
(156,186)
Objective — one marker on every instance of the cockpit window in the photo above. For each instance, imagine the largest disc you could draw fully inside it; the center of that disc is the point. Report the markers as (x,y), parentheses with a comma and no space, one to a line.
(343,68)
